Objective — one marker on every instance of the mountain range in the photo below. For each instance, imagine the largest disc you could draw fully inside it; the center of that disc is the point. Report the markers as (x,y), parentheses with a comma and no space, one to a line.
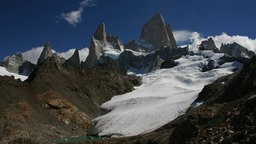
(149,90)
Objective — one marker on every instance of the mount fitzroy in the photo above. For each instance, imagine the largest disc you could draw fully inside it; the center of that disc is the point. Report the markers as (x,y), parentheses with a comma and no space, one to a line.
(61,97)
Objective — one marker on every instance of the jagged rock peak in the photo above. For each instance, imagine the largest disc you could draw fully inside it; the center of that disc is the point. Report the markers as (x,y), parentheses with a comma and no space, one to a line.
(156,32)
(100,34)
(236,50)
(95,52)
(47,52)
(74,59)
(208,45)
(115,42)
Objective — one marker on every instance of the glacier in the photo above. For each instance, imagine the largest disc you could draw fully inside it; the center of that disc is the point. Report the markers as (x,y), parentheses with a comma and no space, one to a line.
(164,95)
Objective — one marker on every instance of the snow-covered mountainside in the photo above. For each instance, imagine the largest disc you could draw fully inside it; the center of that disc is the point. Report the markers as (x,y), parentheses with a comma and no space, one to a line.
(4,72)
(164,95)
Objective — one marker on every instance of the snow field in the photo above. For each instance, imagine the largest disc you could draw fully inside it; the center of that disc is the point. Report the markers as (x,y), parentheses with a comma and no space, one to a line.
(4,72)
(164,95)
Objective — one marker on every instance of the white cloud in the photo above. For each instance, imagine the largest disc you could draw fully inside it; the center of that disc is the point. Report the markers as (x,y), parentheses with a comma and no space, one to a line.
(195,39)
(242,40)
(182,35)
(33,54)
(75,17)
(66,55)
(83,53)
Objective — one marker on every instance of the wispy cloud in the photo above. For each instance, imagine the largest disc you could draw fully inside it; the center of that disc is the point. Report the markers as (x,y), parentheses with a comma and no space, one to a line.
(182,35)
(75,17)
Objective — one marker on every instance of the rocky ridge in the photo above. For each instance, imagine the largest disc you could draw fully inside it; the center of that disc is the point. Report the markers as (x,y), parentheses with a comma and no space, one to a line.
(56,100)
(208,45)
(236,50)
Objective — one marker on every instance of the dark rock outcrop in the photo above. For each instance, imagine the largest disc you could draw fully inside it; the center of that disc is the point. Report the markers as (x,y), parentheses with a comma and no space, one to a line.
(140,46)
(209,66)
(227,58)
(236,50)
(208,45)
(167,52)
(26,68)
(138,63)
(156,32)
(47,52)
(59,59)
(233,86)
(169,63)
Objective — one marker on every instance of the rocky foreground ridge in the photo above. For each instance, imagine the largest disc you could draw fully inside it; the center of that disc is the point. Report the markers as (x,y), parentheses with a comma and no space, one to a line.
(61,97)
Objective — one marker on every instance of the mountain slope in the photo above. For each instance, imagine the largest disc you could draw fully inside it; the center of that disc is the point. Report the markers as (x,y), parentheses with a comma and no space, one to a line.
(56,100)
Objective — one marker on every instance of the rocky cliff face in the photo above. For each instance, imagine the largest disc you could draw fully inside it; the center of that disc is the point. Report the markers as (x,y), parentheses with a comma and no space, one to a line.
(100,34)
(173,43)
(17,64)
(13,63)
(137,63)
(47,52)
(156,32)
(140,46)
(95,52)
(158,40)
(99,41)
(236,50)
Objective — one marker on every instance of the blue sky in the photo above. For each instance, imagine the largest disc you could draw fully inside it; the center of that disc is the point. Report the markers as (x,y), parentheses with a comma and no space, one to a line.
(26,24)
